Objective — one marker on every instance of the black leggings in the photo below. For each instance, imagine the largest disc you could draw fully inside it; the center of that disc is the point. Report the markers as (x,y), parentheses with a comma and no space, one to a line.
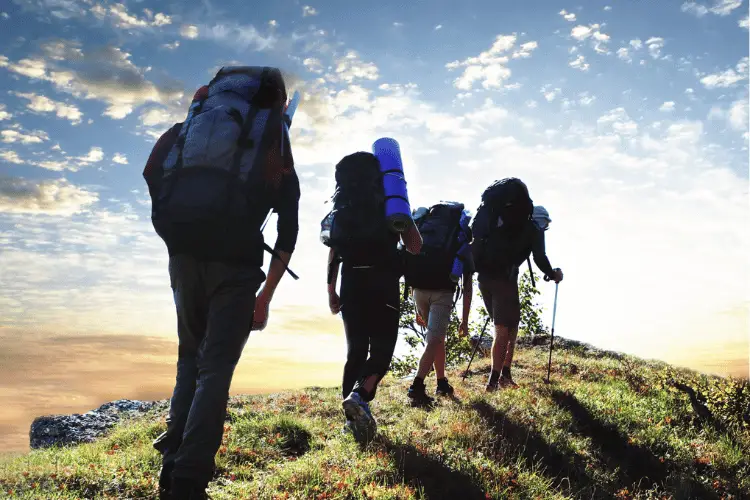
(370,310)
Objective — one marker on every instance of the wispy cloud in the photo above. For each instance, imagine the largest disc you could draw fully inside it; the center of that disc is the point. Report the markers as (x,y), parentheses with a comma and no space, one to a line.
(579,63)
(568,16)
(121,18)
(309,11)
(719,7)
(490,67)
(4,115)
(43,104)
(727,78)
(438,27)
(120,159)
(52,197)
(350,68)
(667,107)
(12,135)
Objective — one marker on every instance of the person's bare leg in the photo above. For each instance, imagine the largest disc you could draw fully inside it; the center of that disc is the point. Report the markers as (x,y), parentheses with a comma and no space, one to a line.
(370,383)
(500,347)
(428,358)
(512,336)
(440,360)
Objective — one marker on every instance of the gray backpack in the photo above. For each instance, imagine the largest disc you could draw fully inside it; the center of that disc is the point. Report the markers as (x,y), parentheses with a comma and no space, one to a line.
(210,199)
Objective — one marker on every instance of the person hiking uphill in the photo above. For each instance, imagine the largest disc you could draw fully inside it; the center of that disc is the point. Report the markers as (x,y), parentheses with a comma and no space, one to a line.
(434,276)
(505,235)
(213,180)
(365,250)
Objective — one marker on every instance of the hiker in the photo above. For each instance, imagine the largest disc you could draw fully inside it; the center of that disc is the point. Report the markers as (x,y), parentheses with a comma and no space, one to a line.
(505,235)
(213,180)
(434,276)
(365,249)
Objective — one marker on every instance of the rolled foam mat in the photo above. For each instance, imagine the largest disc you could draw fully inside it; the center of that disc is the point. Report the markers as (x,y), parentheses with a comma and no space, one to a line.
(463,249)
(397,209)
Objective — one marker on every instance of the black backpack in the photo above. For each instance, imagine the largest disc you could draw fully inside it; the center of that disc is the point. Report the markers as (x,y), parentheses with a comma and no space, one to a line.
(356,227)
(440,228)
(501,219)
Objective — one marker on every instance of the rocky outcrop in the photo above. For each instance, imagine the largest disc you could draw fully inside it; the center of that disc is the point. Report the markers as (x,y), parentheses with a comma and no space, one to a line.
(63,430)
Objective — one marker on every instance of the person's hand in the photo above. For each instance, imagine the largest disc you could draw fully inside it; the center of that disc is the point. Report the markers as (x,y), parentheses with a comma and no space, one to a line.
(260,317)
(558,276)
(420,321)
(463,329)
(334,302)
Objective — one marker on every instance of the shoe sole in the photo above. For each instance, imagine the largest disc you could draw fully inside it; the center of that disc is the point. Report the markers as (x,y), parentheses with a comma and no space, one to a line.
(358,416)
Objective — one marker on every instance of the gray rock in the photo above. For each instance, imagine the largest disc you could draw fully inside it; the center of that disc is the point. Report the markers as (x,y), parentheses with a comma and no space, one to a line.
(65,430)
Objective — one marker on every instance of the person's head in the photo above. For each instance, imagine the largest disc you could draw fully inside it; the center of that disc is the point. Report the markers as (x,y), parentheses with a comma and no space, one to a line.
(541,217)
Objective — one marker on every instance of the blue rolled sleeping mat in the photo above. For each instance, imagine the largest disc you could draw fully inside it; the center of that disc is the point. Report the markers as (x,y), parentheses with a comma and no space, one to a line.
(397,209)
(463,249)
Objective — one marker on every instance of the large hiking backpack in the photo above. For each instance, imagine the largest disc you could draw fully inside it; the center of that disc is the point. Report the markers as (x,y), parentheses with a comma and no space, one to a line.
(216,173)
(356,227)
(501,219)
(440,228)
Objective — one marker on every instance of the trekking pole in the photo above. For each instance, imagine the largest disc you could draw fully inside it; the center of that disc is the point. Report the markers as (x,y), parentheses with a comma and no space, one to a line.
(479,341)
(552,337)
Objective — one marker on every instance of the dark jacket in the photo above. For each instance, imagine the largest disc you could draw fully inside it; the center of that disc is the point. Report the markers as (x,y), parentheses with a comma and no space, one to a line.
(530,239)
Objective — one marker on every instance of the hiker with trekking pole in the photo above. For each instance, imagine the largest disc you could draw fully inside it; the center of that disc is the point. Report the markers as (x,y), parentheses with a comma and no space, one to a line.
(435,276)
(506,233)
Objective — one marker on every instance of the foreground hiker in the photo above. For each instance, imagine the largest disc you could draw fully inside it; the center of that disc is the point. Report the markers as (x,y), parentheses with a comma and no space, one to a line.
(213,180)
(505,235)
(365,247)
(434,275)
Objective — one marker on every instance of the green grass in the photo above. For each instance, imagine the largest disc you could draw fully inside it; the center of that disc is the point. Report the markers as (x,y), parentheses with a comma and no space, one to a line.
(603,428)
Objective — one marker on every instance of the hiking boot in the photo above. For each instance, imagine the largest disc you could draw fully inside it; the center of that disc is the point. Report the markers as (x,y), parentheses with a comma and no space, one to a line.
(347,429)
(506,380)
(417,392)
(444,388)
(185,489)
(493,383)
(357,410)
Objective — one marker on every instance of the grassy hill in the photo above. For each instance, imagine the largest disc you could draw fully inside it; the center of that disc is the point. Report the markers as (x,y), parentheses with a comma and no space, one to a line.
(606,427)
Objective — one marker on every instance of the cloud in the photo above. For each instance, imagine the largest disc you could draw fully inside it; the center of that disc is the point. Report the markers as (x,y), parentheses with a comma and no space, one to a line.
(727,78)
(550,94)
(350,68)
(95,155)
(238,37)
(607,7)
(106,74)
(189,31)
(309,11)
(525,50)
(43,104)
(121,18)
(10,157)
(171,46)
(51,197)
(14,135)
(637,44)
(438,27)
(586,99)
(655,44)
(743,23)
(619,121)
(568,16)
(667,107)
(581,32)
(719,8)
(313,64)
(624,54)
(4,115)
(120,159)
(489,67)
(598,38)
(579,63)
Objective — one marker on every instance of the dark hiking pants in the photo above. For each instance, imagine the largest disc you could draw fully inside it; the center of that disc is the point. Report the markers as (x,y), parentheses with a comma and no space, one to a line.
(370,310)
(215,302)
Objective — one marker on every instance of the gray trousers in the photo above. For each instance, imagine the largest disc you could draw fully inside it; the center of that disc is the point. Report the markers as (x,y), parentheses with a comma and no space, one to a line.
(215,303)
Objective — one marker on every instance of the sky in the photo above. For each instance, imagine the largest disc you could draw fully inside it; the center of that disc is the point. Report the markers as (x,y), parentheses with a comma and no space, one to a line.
(627,120)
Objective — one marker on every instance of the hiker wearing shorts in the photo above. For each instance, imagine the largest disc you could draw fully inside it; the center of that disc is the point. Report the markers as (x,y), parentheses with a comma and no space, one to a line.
(369,299)
(498,256)
(435,275)
(215,258)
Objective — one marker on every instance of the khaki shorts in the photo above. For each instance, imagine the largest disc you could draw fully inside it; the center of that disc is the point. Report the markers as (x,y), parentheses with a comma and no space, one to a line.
(501,301)
(434,306)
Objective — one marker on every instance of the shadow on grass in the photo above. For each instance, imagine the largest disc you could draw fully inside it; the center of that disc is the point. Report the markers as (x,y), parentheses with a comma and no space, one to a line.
(434,478)
(568,473)
(637,464)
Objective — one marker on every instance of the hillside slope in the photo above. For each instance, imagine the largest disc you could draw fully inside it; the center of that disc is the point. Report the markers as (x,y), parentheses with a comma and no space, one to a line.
(605,427)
